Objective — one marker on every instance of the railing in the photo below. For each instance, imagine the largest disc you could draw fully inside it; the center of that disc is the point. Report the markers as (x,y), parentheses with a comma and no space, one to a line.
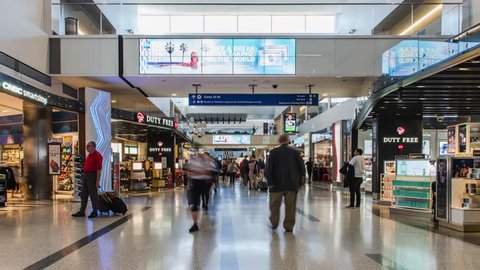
(228,17)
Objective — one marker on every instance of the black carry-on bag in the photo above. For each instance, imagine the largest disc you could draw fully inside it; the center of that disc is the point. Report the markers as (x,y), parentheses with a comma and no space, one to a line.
(263,186)
(118,206)
(104,203)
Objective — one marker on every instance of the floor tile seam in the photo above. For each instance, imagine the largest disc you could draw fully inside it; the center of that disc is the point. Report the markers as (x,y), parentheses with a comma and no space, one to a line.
(76,246)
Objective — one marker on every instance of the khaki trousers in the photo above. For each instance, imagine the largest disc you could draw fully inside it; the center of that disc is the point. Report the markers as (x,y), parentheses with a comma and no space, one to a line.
(290,208)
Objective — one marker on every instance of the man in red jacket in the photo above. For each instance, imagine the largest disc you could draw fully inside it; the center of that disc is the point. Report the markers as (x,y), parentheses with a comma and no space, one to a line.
(92,171)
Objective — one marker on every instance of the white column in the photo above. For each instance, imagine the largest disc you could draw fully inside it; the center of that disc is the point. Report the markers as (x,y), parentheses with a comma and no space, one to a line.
(98,128)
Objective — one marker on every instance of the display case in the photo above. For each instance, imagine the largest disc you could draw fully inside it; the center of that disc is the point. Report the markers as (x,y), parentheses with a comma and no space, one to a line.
(368,173)
(412,185)
(64,182)
(138,177)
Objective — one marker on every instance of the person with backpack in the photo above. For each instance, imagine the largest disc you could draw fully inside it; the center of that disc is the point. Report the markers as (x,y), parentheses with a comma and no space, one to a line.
(232,171)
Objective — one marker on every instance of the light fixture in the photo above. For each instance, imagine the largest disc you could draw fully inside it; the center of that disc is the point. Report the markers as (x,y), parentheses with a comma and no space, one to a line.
(325,95)
(352,31)
(174,94)
(114,101)
(421,20)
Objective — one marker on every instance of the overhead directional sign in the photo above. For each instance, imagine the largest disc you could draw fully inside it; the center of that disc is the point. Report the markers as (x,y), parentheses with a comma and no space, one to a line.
(253,99)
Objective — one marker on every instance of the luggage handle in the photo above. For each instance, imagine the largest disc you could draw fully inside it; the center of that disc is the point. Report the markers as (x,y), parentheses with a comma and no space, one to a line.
(105,195)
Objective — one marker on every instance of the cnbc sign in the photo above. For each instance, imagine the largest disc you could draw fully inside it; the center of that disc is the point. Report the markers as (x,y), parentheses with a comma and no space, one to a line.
(28,95)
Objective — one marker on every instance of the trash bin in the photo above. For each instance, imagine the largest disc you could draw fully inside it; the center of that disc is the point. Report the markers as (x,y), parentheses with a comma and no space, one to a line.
(71,26)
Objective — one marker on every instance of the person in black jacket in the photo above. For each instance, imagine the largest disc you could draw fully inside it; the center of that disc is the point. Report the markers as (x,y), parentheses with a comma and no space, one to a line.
(284,170)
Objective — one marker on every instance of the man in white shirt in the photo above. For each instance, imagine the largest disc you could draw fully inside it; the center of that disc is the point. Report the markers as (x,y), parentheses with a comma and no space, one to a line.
(358,164)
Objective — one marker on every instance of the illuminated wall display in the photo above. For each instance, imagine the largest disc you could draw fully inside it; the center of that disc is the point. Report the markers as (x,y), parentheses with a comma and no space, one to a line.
(217,56)
(231,139)
(290,122)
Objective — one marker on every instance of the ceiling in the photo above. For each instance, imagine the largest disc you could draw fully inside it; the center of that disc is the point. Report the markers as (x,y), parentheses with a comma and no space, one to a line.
(131,99)
(450,94)
(10,105)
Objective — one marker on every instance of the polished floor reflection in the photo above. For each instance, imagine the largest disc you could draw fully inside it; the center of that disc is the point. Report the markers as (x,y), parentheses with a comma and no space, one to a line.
(234,234)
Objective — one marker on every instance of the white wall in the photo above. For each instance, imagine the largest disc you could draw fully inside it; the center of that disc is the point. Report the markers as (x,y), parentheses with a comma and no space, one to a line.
(343,111)
(21,32)
(94,56)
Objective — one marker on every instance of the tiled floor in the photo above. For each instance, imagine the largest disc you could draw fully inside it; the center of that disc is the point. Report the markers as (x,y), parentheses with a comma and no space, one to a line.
(234,234)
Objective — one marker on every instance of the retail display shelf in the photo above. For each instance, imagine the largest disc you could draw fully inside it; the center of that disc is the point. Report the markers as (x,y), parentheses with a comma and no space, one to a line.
(467,209)
(411,197)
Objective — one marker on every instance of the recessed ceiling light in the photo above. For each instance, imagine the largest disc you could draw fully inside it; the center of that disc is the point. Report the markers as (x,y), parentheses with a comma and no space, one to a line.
(421,86)
(5,111)
(174,94)
(114,101)
(325,95)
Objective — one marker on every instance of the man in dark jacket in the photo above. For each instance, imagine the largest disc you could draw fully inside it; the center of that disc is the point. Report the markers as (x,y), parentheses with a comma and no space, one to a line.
(284,170)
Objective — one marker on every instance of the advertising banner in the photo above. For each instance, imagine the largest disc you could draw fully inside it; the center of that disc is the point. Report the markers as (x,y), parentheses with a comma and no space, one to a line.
(54,156)
(231,139)
(217,56)
(451,142)
(410,56)
(441,188)
(290,122)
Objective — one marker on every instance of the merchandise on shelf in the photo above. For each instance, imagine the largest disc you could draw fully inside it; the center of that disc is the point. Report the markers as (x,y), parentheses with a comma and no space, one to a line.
(412,185)
(65,179)
(77,175)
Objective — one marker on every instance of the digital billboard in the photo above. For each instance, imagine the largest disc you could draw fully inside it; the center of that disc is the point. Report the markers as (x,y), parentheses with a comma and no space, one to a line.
(290,122)
(231,139)
(410,56)
(217,56)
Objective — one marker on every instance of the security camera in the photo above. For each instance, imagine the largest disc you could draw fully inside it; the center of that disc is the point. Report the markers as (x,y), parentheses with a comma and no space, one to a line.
(275,86)
(440,118)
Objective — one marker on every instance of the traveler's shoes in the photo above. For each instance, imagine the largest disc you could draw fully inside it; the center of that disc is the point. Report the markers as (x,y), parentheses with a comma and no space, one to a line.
(205,207)
(288,230)
(93,215)
(78,214)
(357,206)
(194,228)
(350,206)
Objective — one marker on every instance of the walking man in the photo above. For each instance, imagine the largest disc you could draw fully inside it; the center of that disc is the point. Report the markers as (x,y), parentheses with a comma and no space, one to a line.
(358,164)
(284,170)
(309,164)
(91,181)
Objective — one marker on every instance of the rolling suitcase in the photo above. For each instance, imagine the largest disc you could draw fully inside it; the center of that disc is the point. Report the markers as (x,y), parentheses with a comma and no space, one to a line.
(104,203)
(263,186)
(118,206)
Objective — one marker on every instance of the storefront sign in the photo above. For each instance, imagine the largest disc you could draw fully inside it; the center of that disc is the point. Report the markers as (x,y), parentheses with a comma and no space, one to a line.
(54,156)
(15,89)
(400,140)
(253,99)
(156,121)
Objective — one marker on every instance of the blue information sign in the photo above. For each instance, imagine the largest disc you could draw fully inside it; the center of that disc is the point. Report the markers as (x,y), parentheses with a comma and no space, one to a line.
(252,99)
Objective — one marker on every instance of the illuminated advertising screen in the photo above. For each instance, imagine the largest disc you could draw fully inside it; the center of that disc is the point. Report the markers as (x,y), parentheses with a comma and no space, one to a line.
(217,56)
(231,139)
(410,56)
(290,122)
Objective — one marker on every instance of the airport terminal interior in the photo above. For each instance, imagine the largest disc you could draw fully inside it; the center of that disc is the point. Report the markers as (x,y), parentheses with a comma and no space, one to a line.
(147,134)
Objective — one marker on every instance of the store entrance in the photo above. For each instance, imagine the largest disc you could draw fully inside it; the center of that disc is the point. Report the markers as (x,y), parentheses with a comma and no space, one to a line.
(12,137)
(11,143)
